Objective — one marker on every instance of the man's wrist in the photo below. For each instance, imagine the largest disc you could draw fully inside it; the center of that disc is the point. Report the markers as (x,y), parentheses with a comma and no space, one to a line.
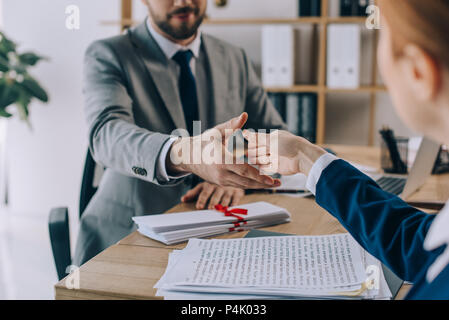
(177,162)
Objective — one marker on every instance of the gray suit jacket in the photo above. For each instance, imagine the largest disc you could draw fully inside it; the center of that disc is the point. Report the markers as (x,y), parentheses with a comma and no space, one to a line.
(132,105)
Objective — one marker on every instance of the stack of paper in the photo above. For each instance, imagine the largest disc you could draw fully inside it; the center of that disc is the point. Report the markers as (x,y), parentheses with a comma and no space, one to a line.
(290,267)
(178,227)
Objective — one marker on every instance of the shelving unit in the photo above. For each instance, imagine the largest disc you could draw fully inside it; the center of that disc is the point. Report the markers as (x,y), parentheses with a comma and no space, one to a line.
(127,22)
(316,88)
(320,88)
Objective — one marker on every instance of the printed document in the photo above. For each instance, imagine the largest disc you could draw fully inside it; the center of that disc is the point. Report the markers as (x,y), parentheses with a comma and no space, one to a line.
(290,265)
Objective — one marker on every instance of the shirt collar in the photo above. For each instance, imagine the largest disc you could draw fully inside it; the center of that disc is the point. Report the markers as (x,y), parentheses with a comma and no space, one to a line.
(170,48)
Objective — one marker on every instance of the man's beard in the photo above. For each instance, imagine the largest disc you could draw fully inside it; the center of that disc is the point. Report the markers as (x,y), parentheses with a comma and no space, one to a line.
(184,31)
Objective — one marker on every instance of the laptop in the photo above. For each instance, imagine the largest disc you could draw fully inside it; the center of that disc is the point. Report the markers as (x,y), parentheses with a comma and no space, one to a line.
(405,186)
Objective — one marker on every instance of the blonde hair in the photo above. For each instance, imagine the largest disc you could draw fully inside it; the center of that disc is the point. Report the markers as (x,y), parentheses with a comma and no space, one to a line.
(422,22)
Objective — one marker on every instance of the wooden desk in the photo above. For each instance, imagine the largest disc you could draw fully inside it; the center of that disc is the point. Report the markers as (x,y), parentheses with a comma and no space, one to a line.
(130,268)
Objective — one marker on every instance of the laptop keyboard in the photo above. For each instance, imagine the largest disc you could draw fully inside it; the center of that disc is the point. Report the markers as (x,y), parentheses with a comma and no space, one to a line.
(392,185)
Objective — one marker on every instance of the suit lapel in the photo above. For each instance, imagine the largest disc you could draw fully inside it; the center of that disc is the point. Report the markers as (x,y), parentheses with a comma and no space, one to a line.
(157,64)
(218,73)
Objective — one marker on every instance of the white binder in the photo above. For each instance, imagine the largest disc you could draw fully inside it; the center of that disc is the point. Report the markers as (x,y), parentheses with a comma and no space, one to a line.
(293,110)
(343,56)
(278,49)
(269,68)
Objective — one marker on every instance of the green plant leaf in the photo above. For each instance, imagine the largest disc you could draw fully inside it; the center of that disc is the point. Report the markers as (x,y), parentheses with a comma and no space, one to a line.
(4,64)
(22,105)
(17,87)
(34,89)
(5,114)
(30,58)
(23,112)
(8,95)
(6,45)
(20,69)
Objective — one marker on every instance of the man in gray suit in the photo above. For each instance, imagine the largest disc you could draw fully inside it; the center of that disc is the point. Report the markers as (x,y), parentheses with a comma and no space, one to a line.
(139,87)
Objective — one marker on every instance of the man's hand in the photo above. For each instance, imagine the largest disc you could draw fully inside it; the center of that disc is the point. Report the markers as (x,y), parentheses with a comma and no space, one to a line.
(212,194)
(207,156)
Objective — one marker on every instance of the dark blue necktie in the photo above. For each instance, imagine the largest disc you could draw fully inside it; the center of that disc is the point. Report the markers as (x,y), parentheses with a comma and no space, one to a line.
(187,88)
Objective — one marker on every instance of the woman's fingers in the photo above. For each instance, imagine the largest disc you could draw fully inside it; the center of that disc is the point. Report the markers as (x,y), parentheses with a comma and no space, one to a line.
(256,152)
(256,140)
(260,160)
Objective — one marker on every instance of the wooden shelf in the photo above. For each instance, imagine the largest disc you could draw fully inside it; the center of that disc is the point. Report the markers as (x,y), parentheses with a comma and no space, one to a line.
(316,88)
(294,89)
(124,22)
(301,20)
(254,21)
(246,21)
(360,20)
(367,89)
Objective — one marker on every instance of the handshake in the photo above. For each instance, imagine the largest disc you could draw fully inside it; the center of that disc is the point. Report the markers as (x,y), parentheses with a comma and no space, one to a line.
(208,156)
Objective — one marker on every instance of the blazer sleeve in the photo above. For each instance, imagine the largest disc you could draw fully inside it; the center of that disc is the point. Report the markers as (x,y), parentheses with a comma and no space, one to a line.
(382,223)
(262,113)
(114,139)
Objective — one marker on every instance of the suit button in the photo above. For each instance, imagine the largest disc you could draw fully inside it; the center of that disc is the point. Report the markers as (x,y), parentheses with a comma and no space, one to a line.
(140,171)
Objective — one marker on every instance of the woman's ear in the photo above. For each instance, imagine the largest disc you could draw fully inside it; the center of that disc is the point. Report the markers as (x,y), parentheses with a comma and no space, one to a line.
(422,73)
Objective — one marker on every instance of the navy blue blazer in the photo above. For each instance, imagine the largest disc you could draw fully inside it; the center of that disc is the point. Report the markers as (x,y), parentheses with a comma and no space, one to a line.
(384,225)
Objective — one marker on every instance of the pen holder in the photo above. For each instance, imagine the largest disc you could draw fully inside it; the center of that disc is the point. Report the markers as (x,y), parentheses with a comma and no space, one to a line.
(442,162)
(386,159)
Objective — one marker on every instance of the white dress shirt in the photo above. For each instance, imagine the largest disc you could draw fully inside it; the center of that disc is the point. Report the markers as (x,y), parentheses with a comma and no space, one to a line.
(437,236)
(170,48)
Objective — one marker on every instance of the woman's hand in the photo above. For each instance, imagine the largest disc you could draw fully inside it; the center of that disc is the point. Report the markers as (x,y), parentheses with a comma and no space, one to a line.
(213,194)
(281,152)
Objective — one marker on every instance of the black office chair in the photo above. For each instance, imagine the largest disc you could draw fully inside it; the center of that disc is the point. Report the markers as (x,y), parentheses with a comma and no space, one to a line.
(58,223)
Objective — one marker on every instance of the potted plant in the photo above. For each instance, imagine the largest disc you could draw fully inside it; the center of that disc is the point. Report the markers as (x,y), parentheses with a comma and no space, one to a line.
(17,87)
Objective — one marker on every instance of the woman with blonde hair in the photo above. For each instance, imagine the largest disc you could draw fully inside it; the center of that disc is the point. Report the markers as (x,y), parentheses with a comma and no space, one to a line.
(414,62)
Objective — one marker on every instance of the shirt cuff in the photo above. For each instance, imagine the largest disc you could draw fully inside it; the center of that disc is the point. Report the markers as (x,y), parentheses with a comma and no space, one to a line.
(317,169)
(161,170)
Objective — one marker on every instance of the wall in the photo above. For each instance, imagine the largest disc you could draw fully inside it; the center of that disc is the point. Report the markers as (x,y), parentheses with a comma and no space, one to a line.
(45,164)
